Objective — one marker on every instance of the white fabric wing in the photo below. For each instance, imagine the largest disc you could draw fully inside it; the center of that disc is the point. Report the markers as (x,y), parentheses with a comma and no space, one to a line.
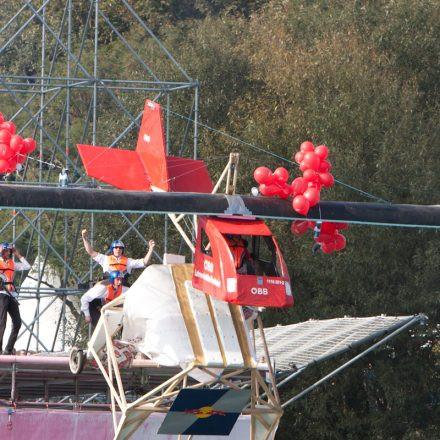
(153,321)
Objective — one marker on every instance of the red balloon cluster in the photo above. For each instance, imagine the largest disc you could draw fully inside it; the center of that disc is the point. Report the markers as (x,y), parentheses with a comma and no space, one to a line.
(306,190)
(313,163)
(329,237)
(273,184)
(13,148)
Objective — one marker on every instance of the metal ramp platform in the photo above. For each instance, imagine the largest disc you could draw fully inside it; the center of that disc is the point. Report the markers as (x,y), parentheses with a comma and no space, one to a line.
(296,346)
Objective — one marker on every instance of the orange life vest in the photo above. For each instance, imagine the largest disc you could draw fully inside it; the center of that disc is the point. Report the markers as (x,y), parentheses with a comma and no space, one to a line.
(239,252)
(116,264)
(112,294)
(7,267)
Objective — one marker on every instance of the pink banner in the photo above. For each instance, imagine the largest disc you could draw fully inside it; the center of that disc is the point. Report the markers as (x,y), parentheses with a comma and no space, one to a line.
(36,424)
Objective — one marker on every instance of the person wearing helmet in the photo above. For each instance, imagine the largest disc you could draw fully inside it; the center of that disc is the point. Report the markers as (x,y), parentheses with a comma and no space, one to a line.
(115,288)
(8,294)
(117,260)
(98,295)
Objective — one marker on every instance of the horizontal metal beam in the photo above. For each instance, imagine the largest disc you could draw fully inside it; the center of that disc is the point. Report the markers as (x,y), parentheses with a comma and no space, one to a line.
(50,79)
(116,201)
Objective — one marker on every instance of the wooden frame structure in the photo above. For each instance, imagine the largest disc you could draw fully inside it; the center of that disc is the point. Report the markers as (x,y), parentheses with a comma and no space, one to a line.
(264,407)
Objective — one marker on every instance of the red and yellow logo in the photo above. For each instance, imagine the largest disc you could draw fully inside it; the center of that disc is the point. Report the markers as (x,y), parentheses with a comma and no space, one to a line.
(204,412)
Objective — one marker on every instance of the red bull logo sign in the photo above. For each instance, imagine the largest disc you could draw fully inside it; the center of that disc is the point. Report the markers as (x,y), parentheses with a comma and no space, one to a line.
(204,412)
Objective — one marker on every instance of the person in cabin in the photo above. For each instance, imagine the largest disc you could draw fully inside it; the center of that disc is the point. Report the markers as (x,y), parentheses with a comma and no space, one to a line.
(8,293)
(242,259)
(116,260)
(96,297)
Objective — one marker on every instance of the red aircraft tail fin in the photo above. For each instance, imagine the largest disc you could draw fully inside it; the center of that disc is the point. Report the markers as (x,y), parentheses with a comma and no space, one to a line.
(188,175)
(120,168)
(148,167)
(168,173)
(151,146)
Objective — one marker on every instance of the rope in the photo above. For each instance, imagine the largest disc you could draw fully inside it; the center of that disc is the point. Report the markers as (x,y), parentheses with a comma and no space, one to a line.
(50,164)
(270,153)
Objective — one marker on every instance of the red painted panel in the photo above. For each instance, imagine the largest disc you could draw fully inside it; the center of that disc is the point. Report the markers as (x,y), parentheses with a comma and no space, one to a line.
(151,145)
(188,175)
(120,168)
(216,275)
(229,226)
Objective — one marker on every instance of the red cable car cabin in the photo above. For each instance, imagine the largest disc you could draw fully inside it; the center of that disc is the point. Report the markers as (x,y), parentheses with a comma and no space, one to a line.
(239,261)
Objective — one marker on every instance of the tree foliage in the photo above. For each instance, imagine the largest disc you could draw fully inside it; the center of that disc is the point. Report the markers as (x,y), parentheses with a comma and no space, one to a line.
(361,76)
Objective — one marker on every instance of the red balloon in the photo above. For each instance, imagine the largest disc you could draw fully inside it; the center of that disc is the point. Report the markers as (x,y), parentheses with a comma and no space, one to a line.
(312,160)
(3,165)
(306,146)
(303,166)
(5,152)
(299,227)
(8,125)
(12,165)
(299,156)
(299,185)
(341,226)
(5,136)
(2,119)
(261,174)
(309,175)
(328,247)
(340,242)
(29,145)
(322,151)
(315,185)
(269,190)
(16,143)
(281,175)
(301,205)
(324,238)
(312,195)
(285,192)
(326,179)
(325,166)
(328,228)
(263,189)
(277,189)
(20,157)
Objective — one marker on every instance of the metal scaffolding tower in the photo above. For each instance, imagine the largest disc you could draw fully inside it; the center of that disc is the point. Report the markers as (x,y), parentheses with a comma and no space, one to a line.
(56,79)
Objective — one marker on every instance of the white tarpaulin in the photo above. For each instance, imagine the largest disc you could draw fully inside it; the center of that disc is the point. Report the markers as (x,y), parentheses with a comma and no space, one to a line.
(153,320)
(48,306)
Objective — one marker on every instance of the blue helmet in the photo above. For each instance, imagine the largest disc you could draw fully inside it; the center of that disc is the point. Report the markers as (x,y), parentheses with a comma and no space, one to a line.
(114,274)
(116,244)
(7,246)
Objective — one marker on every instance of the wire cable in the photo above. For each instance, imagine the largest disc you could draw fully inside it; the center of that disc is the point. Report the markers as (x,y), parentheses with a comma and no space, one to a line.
(270,153)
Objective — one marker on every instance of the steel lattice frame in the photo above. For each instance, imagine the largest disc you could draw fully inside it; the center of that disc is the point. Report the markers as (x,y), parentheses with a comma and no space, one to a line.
(68,72)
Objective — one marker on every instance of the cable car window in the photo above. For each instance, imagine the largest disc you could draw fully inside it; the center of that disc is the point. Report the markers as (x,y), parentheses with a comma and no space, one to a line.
(205,244)
(265,256)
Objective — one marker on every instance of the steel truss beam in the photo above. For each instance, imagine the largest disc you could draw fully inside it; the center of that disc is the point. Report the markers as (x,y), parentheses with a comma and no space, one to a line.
(35,96)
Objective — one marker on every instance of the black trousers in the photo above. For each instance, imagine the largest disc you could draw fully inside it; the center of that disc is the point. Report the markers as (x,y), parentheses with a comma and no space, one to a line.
(95,311)
(8,304)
